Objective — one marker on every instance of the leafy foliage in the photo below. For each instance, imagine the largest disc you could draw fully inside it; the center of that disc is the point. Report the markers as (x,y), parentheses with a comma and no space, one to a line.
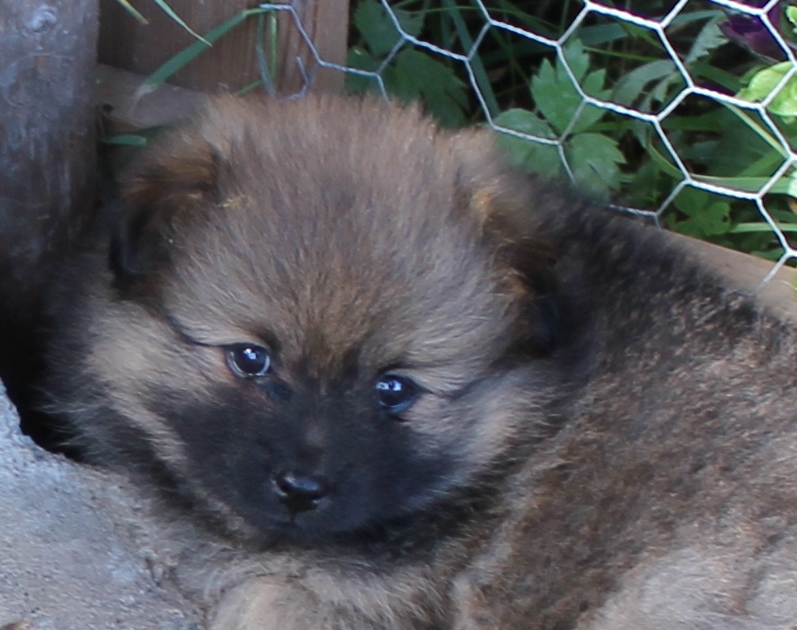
(593,158)
(553,108)
(409,74)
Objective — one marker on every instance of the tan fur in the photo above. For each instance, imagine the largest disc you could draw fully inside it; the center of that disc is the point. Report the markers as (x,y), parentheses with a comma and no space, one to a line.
(617,429)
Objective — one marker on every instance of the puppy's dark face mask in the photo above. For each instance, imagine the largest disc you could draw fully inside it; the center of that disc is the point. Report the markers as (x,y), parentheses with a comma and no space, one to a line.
(322,317)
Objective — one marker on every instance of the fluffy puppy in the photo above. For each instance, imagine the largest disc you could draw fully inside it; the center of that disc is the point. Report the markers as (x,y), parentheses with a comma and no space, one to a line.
(415,389)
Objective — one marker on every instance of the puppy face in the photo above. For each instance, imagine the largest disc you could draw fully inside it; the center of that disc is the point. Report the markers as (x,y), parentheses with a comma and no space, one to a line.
(315,322)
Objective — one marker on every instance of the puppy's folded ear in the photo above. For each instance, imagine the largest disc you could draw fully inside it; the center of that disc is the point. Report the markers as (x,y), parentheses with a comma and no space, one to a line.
(503,201)
(178,176)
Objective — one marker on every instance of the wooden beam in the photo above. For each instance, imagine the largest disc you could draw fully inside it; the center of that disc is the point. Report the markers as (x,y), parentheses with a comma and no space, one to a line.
(231,63)
(747,272)
(124,110)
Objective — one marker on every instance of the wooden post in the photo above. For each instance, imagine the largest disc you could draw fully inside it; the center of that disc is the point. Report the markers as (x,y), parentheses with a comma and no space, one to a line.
(47,63)
(231,63)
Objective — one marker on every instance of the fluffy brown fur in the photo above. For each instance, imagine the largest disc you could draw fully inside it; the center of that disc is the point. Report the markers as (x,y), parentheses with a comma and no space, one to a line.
(484,404)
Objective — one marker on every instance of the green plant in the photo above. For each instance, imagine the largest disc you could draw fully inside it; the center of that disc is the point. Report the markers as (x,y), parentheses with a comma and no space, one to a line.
(167,9)
(407,73)
(726,155)
(591,156)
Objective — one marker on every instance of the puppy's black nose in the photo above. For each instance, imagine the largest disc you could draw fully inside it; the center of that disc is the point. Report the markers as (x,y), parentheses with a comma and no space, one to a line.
(300,493)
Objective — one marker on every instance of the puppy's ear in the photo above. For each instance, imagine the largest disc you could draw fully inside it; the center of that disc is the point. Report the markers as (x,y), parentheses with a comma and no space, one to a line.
(178,176)
(503,202)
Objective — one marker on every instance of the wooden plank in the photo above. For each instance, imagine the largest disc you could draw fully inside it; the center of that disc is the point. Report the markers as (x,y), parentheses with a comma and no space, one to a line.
(747,272)
(123,110)
(231,63)
(326,23)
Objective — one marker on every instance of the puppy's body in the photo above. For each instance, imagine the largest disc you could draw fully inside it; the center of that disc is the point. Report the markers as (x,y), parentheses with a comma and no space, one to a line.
(416,390)
(667,499)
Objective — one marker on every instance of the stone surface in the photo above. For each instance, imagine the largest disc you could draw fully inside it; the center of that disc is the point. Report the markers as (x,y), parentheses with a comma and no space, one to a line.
(73,552)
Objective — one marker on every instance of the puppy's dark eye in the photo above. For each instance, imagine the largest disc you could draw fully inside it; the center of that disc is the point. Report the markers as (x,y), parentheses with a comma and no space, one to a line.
(396,393)
(247,360)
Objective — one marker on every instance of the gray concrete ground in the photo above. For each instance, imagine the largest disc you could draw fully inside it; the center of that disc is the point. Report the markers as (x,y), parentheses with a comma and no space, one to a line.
(73,552)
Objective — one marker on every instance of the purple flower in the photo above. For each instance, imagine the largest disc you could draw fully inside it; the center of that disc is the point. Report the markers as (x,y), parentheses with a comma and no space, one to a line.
(752,33)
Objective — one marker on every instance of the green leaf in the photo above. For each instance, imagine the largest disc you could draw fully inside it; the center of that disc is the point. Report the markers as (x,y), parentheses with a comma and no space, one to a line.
(743,228)
(593,84)
(377,28)
(577,59)
(411,23)
(360,59)
(170,12)
(791,15)
(558,99)
(476,62)
(704,217)
(528,155)
(555,96)
(524,121)
(132,11)
(600,34)
(191,52)
(791,181)
(416,75)
(691,201)
(765,81)
(785,103)
(593,160)
(587,118)
(632,85)
(709,38)
(758,129)
(713,220)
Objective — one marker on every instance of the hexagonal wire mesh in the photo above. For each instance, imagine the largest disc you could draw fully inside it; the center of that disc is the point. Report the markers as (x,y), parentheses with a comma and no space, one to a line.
(644,103)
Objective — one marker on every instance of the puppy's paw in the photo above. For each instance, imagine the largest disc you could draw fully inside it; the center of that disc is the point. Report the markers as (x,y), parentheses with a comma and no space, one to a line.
(266,604)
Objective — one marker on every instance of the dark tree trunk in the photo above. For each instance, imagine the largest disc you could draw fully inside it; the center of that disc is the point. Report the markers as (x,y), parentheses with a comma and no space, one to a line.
(47,64)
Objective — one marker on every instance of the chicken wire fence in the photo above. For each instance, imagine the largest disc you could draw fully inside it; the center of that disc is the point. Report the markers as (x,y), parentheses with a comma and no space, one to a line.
(684,111)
